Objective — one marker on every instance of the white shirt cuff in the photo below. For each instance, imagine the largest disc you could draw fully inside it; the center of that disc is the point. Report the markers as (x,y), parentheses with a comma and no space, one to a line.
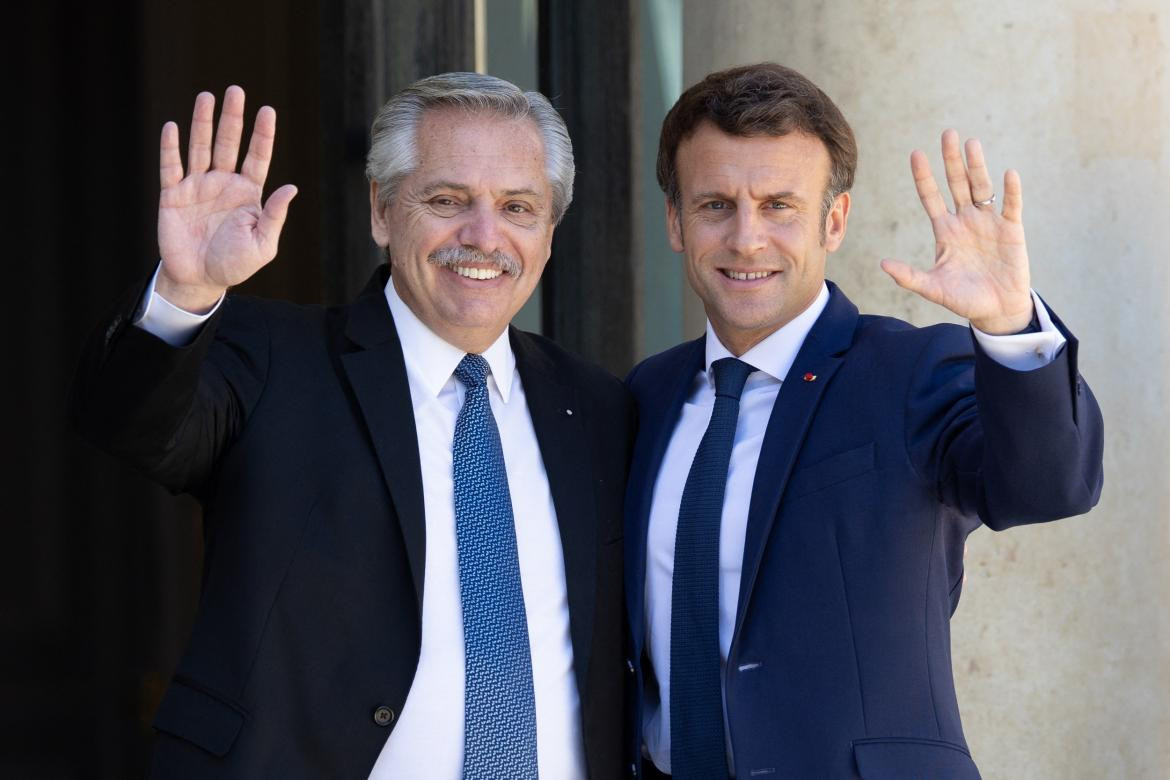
(1025,351)
(159,317)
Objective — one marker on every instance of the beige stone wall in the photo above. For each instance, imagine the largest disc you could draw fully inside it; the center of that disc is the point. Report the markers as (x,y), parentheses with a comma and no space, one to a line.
(1062,641)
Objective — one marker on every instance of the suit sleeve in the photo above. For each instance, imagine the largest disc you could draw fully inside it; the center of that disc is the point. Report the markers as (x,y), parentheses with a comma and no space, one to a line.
(170,411)
(1012,447)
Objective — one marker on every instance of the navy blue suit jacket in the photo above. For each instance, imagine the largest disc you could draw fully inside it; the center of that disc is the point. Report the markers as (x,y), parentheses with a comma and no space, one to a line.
(870,478)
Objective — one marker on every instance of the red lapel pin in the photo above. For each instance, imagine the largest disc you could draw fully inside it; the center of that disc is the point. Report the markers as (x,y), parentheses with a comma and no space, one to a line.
(810,377)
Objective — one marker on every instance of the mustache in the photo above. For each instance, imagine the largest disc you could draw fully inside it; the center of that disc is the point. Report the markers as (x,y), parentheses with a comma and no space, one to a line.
(452,256)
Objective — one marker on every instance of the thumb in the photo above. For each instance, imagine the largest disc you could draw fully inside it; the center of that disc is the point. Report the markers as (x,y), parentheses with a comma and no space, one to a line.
(907,277)
(272,218)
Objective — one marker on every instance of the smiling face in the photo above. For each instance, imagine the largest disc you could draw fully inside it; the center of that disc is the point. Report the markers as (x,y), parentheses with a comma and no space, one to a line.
(749,222)
(470,228)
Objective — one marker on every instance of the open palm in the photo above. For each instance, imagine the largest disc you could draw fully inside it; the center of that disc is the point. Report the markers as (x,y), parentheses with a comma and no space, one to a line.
(212,230)
(980,270)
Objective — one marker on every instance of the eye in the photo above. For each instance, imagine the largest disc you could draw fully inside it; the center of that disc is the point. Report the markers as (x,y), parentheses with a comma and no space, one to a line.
(777,204)
(716,205)
(445,205)
(517,208)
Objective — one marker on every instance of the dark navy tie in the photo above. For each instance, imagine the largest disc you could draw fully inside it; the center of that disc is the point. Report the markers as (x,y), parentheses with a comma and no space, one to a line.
(499,708)
(697,748)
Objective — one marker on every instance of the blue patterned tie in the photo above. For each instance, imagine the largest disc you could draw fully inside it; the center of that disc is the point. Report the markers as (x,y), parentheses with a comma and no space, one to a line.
(499,708)
(697,748)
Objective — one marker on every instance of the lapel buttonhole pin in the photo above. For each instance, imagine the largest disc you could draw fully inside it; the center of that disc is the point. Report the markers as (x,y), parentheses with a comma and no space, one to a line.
(569,412)
(810,377)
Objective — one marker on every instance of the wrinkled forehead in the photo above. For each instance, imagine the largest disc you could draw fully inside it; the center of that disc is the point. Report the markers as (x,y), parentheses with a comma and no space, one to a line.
(449,129)
(485,146)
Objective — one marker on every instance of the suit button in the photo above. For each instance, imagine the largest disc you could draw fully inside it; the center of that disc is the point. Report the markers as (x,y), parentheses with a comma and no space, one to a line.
(383,716)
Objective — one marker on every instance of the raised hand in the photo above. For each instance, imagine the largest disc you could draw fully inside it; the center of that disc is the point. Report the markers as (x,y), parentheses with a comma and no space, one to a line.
(981,262)
(212,230)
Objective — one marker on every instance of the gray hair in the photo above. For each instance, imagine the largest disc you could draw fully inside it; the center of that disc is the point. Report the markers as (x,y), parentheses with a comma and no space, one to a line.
(394,142)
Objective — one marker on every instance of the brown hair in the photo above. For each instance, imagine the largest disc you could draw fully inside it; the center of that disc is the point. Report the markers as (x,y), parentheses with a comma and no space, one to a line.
(763,99)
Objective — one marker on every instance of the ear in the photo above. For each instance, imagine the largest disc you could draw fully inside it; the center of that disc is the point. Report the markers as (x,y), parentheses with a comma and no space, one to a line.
(835,222)
(548,243)
(673,225)
(379,228)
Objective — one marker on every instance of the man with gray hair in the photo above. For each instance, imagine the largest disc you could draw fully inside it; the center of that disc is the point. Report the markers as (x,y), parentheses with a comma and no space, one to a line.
(412,511)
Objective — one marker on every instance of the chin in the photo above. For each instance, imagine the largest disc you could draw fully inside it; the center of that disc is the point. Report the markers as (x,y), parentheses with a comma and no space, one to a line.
(477,317)
(749,322)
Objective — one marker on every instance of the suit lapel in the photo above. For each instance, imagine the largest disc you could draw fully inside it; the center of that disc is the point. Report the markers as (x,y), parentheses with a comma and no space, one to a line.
(819,358)
(558,422)
(658,414)
(377,374)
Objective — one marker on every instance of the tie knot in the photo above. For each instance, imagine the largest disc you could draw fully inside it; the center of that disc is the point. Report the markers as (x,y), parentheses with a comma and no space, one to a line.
(472,371)
(730,376)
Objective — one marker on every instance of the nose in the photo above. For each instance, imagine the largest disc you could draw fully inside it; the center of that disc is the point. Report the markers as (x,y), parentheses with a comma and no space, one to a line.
(481,229)
(747,233)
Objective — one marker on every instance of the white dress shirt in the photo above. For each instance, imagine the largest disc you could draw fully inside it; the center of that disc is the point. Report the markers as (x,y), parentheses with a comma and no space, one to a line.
(427,740)
(772,358)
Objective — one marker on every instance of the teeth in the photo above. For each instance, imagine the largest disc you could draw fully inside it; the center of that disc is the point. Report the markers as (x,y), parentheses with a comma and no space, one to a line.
(746,276)
(477,273)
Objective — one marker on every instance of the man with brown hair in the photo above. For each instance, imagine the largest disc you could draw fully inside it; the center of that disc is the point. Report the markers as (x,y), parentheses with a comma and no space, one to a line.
(805,476)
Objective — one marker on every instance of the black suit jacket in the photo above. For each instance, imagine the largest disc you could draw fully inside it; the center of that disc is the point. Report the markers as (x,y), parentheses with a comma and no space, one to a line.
(886,447)
(293,426)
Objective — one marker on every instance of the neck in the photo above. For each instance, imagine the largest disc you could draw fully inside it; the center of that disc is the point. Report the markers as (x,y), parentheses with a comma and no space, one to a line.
(740,340)
(476,342)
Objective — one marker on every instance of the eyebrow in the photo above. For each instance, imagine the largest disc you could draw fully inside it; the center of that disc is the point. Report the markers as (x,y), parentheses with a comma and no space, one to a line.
(438,186)
(714,195)
(434,187)
(521,191)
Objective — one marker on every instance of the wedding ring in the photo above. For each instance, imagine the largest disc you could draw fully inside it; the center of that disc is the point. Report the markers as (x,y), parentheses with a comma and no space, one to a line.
(987,202)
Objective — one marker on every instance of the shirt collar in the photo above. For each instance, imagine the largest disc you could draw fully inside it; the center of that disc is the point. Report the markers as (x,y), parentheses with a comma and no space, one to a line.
(433,360)
(774,355)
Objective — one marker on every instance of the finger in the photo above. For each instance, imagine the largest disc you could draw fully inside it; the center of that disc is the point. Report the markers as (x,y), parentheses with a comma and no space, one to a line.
(957,180)
(1013,196)
(230,130)
(199,150)
(259,155)
(170,165)
(272,219)
(981,187)
(932,199)
(907,277)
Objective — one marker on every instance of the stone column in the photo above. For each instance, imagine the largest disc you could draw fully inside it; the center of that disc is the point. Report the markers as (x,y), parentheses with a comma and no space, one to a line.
(1061,645)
